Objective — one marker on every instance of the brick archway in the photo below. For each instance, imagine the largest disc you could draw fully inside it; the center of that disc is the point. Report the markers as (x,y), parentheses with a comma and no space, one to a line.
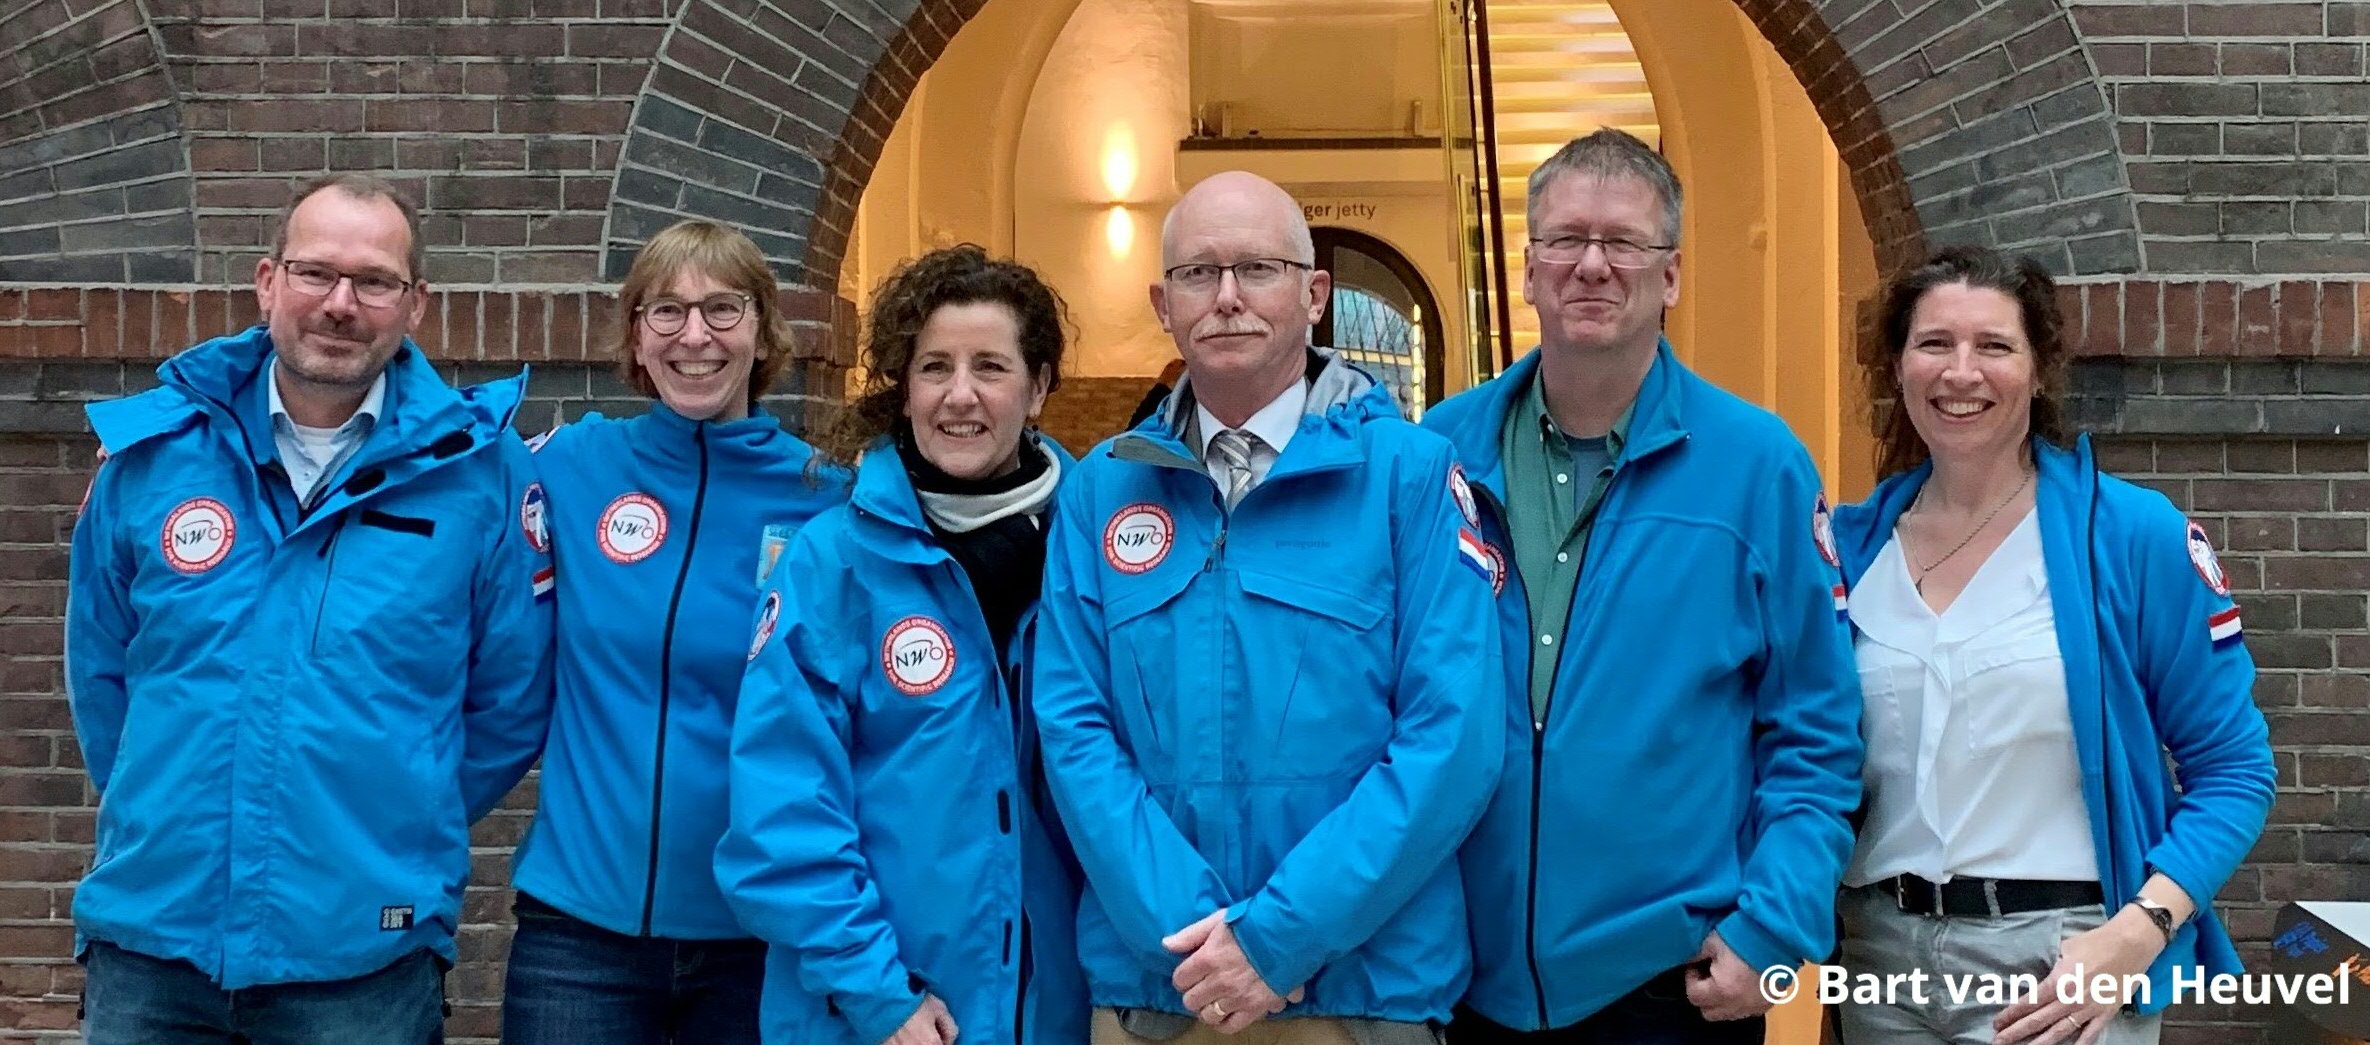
(1971,121)
(91,150)
(1968,121)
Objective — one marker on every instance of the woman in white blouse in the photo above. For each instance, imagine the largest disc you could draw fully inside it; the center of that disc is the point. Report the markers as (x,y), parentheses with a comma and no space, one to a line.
(2033,636)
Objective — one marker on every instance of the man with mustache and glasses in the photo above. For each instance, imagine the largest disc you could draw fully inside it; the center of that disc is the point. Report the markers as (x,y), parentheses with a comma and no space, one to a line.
(1260,668)
(1680,702)
(306,645)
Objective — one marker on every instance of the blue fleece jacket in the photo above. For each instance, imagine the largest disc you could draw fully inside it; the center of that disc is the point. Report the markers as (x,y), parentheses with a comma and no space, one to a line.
(658,523)
(2154,663)
(1701,747)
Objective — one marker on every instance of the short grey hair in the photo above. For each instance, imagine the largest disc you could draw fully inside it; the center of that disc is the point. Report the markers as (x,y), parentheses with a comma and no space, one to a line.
(1612,153)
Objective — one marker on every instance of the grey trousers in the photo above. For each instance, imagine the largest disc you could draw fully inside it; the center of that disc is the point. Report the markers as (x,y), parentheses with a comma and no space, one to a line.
(1879,938)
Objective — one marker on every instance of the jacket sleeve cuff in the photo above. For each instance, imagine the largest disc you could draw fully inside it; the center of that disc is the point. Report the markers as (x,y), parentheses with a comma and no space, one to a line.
(2164,862)
(877,1016)
(1279,966)
(1756,946)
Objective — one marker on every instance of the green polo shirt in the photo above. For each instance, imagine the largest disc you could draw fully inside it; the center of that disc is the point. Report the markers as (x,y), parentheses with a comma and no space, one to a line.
(1554,483)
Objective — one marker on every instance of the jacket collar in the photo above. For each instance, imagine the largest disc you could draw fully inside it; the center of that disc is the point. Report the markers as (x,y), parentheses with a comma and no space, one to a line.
(674,436)
(2065,482)
(225,373)
(1341,398)
(1656,417)
(426,423)
(890,520)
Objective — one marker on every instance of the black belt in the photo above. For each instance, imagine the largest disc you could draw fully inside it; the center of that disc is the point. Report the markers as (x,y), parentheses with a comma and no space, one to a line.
(1985,897)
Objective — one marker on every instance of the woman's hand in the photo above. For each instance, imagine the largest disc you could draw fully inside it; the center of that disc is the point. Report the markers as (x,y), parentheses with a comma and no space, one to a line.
(2103,957)
(929,1025)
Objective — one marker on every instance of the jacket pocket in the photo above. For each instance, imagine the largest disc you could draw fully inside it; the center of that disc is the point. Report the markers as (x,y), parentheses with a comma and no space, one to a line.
(1320,671)
(1153,660)
(397,523)
(397,591)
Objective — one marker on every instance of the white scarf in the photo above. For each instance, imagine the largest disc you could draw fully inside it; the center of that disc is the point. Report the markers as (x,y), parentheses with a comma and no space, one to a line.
(965,512)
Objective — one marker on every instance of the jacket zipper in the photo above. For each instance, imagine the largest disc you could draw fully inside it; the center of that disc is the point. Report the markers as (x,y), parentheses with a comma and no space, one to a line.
(666,661)
(1008,817)
(1596,529)
(1530,916)
(1020,998)
(328,554)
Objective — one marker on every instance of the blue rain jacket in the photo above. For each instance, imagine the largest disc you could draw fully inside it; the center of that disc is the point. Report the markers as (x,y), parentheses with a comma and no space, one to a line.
(1282,710)
(890,833)
(2154,663)
(659,523)
(292,716)
(1701,747)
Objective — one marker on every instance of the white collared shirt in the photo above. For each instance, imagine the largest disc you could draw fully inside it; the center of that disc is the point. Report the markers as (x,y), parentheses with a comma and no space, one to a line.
(1270,428)
(1971,766)
(309,454)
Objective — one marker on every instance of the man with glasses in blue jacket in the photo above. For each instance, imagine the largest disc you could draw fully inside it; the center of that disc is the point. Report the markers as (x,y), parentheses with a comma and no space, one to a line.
(1680,702)
(1263,672)
(306,645)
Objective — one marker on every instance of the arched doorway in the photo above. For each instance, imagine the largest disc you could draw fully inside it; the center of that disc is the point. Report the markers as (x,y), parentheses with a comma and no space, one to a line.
(1383,315)
(1061,132)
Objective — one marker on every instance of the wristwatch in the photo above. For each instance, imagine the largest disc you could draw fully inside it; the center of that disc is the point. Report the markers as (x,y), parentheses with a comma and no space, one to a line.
(2159,914)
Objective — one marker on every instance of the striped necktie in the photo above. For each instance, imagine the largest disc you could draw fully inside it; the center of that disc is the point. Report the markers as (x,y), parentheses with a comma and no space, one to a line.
(1233,447)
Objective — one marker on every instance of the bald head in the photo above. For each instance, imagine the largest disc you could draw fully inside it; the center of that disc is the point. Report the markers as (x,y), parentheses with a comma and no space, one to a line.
(1241,320)
(1236,201)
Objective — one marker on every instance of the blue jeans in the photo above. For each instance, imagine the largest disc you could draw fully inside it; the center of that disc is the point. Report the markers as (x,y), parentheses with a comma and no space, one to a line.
(129,998)
(574,983)
(1657,1013)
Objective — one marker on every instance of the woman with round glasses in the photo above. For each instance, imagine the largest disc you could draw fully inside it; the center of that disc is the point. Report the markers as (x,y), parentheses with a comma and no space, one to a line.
(891,836)
(656,525)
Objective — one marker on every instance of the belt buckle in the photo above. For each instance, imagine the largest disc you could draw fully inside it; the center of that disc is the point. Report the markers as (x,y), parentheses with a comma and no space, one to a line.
(1935,908)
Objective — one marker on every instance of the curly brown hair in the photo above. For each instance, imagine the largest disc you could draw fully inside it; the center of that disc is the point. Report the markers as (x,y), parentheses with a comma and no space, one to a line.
(959,275)
(722,254)
(2024,281)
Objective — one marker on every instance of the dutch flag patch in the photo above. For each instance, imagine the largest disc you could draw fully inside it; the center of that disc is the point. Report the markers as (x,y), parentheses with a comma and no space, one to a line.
(2223,626)
(545,578)
(1470,549)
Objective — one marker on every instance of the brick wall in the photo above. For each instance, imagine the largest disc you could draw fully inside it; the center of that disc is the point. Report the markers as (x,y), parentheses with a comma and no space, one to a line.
(1087,410)
(2240,124)
(94,181)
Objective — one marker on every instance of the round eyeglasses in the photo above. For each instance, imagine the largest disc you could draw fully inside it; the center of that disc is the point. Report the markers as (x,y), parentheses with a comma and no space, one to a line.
(666,316)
